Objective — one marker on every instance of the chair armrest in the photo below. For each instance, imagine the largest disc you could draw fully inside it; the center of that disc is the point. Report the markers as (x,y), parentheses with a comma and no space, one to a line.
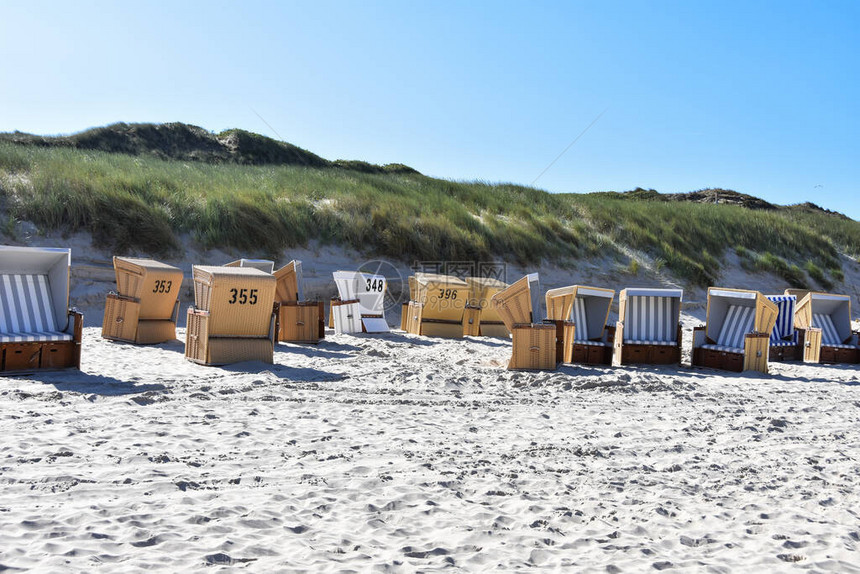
(609,334)
(275,324)
(699,336)
(76,318)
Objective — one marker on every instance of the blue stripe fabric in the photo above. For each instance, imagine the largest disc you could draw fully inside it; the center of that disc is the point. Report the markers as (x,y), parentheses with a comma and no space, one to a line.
(738,322)
(829,335)
(650,319)
(580,333)
(783,331)
(26,312)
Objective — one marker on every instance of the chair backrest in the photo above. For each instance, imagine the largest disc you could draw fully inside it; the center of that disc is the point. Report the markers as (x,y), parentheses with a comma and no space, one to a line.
(739,321)
(263,265)
(444,296)
(829,335)
(520,303)
(25,304)
(784,327)
(651,314)
(367,288)
(50,295)
(155,285)
(289,283)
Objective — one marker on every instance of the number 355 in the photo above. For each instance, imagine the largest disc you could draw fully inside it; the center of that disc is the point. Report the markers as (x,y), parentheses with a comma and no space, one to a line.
(243,297)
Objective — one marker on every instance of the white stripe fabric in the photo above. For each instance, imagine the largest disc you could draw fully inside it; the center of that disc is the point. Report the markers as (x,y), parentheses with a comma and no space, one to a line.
(593,343)
(580,333)
(34,337)
(738,322)
(650,320)
(783,330)
(638,342)
(723,348)
(26,312)
(829,335)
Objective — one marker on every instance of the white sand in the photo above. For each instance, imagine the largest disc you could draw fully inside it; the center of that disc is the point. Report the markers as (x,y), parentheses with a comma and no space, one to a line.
(397,453)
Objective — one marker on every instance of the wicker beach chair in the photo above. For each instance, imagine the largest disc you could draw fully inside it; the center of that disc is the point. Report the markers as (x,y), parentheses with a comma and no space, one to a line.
(37,328)
(438,306)
(824,321)
(785,343)
(479,317)
(736,334)
(145,307)
(649,328)
(537,343)
(233,318)
(360,306)
(299,321)
(588,309)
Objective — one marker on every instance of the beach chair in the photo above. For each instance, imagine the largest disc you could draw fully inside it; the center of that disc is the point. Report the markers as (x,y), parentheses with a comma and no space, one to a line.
(536,342)
(360,306)
(824,320)
(37,328)
(479,317)
(263,265)
(737,330)
(145,307)
(785,344)
(588,309)
(649,327)
(439,305)
(299,321)
(234,317)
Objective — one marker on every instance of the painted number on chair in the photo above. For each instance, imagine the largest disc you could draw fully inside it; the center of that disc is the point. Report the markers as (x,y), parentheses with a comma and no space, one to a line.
(375,285)
(243,296)
(162,286)
(447,293)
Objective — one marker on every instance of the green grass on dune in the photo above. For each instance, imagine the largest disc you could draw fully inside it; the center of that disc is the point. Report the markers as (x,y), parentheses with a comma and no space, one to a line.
(143,203)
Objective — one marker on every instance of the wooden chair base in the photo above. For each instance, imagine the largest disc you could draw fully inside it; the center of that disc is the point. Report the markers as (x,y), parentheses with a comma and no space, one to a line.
(782,353)
(650,354)
(27,357)
(837,355)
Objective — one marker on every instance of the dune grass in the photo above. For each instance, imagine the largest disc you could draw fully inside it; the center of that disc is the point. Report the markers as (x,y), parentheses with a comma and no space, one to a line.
(147,204)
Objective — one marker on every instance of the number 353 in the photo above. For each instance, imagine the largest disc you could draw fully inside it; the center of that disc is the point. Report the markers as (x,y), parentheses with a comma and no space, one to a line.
(243,297)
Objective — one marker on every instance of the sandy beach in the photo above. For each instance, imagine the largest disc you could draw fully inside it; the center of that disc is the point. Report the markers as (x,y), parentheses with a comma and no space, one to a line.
(398,453)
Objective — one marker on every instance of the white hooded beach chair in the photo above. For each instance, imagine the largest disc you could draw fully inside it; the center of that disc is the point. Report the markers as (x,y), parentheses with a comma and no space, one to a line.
(588,309)
(649,327)
(37,328)
(535,341)
(736,335)
(824,320)
(785,344)
(361,303)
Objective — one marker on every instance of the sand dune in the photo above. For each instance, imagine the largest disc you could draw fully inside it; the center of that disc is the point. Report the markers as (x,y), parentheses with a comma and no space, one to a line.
(396,454)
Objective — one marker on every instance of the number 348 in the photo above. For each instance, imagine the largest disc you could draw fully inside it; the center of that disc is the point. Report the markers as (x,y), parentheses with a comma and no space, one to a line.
(243,296)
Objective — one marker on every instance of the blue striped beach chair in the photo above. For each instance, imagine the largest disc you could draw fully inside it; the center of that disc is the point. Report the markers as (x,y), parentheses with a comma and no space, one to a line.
(649,327)
(587,309)
(736,335)
(784,340)
(831,315)
(37,328)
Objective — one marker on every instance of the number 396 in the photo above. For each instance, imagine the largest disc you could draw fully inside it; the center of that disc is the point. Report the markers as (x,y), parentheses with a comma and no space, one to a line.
(447,293)
(243,297)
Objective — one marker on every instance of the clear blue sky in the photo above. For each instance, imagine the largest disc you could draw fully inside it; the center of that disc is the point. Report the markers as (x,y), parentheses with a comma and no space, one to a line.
(761,97)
